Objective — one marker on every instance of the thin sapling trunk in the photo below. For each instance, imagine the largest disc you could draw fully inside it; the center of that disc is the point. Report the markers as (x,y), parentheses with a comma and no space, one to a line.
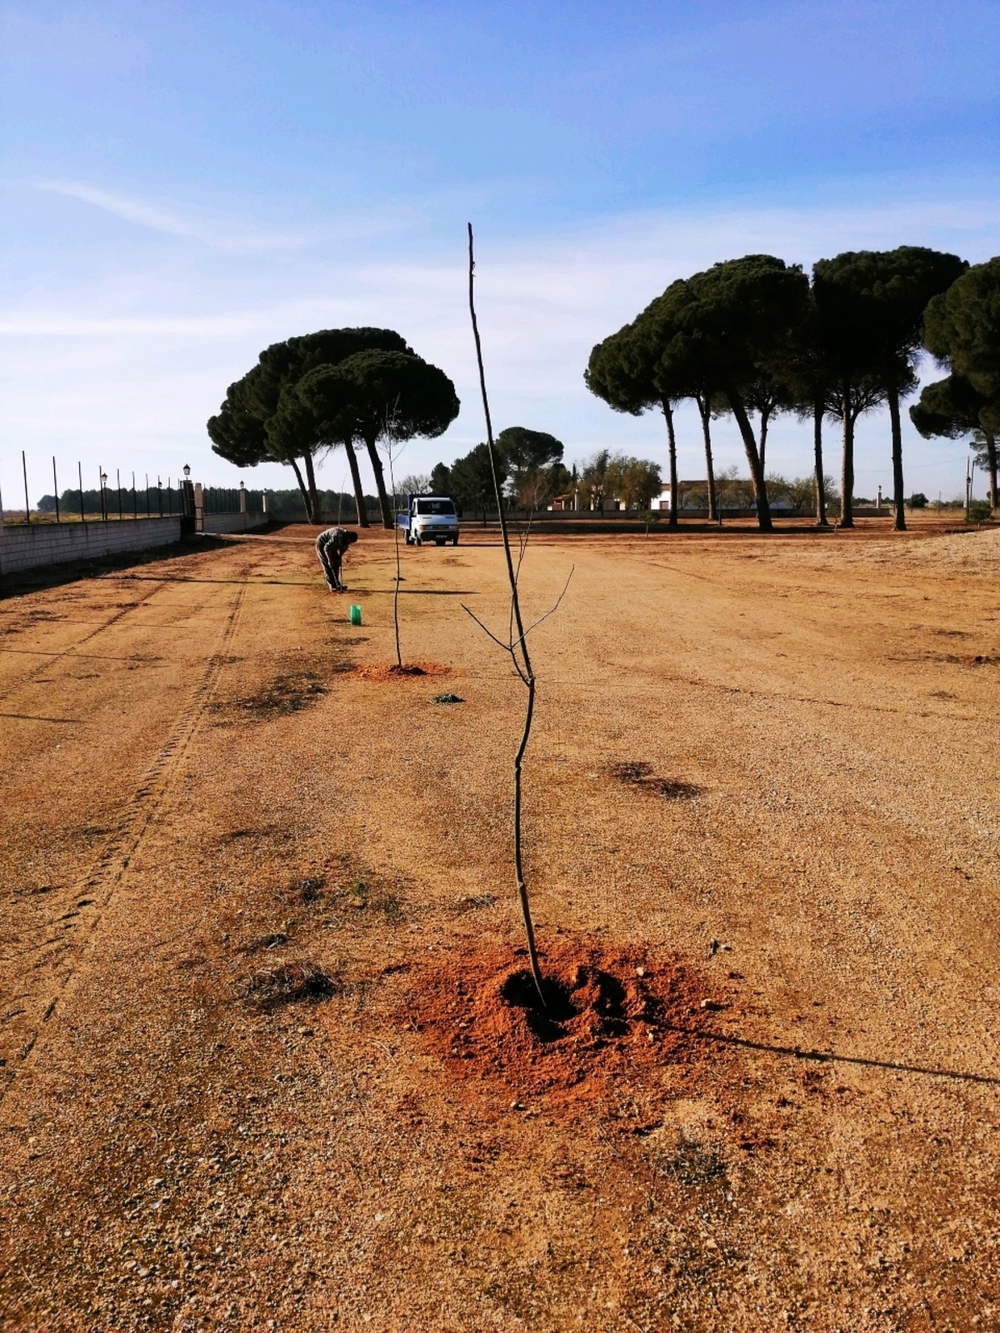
(395,592)
(516,646)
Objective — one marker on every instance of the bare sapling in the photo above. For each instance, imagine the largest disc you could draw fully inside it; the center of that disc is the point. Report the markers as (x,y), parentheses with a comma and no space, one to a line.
(516,645)
(389,443)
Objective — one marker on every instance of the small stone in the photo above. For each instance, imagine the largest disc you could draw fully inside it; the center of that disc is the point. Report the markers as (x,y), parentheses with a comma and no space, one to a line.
(640,971)
(712,1004)
(518,1106)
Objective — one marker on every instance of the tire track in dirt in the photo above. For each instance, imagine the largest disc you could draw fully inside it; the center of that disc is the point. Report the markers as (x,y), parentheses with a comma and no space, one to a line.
(96,889)
(52,659)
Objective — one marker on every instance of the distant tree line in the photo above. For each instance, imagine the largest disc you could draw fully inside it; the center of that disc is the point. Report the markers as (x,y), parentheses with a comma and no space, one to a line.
(144,501)
(331,506)
(754,337)
(532,474)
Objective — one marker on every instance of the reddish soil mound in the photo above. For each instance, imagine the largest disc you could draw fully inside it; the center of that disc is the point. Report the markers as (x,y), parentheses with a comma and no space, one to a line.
(607,1010)
(408,671)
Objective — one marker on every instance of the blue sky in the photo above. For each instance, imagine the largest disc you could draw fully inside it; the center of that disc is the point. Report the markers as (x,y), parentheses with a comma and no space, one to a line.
(184,183)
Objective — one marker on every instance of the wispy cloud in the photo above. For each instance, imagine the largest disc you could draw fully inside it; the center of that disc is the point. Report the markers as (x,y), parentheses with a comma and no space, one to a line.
(217,233)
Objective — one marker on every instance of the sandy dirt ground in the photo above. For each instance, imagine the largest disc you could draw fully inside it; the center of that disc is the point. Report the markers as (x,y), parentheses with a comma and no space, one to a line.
(761,802)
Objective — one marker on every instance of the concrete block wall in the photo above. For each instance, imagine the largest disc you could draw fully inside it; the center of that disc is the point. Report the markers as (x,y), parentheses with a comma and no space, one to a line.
(56,543)
(234,522)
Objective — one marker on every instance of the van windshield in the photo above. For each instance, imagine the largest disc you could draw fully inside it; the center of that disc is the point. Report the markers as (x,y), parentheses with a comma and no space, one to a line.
(435,507)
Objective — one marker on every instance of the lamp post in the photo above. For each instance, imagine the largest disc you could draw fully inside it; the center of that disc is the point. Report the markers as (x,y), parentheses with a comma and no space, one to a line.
(159,496)
(187,472)
(104,495)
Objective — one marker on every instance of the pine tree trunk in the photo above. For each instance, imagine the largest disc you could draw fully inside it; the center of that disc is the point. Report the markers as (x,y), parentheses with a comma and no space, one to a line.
(847,465)
(991,464)
(821,519)
(897,462)
(359,494)
(753,458)
(672,450)
(383,499)
(302,488)
(705,411)
(764,418)
(313,497)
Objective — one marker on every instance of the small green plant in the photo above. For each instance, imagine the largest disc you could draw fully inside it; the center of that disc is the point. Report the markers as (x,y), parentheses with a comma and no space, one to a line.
(979,511)
(359,893)
(649,516)
(917,500)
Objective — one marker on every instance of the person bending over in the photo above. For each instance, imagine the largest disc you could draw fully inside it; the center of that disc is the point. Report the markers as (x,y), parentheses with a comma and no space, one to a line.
(330,547)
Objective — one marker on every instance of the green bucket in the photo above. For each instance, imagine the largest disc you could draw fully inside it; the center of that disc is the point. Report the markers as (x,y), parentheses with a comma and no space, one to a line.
(355,615)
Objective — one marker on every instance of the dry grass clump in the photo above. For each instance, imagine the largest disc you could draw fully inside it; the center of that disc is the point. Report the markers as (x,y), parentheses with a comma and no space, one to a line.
(284,694)
(287,982)
(637,773)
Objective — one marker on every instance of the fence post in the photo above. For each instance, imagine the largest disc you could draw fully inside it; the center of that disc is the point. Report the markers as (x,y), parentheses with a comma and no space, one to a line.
(79,473)
(199,507)
(27,503)
(55,485)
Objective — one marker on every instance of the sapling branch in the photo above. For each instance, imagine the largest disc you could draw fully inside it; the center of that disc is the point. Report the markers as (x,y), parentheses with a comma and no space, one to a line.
(516,645)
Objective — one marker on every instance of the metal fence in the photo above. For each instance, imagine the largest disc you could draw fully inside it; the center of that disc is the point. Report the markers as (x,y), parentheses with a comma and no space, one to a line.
(226,500)
(115,497)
